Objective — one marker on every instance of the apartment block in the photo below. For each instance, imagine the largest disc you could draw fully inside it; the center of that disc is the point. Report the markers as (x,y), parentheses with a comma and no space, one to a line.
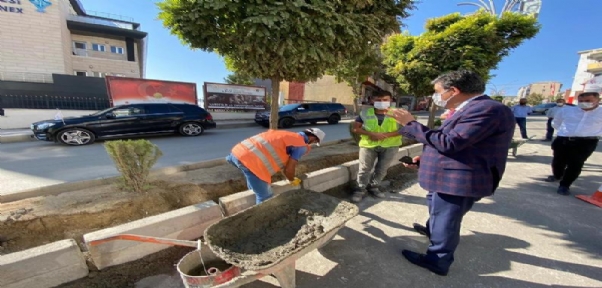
(548,89)
(42,38)
(588,67)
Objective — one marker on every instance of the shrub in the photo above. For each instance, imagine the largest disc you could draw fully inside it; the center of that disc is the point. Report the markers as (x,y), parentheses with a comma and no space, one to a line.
(438,123)
(134,160)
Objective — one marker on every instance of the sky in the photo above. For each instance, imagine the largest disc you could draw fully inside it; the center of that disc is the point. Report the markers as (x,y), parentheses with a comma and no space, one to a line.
(567,27)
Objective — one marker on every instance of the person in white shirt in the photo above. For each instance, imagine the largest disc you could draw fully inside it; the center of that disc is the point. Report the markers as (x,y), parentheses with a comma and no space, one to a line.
(550,113)
(579,130)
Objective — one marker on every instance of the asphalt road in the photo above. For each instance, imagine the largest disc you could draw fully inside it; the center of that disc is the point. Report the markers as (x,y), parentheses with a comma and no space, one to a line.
(29,165)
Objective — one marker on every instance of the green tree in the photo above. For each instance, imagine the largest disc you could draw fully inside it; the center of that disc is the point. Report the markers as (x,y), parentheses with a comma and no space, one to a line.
(535,99)
(283,40)
(239,79)
(134,160)
(498,98)
(477,42)
(355,71)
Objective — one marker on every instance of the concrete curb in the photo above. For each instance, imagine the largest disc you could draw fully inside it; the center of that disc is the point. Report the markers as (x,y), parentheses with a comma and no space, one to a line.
(160,172)
(43,266)
(62,262)
(4,139)
(184,224)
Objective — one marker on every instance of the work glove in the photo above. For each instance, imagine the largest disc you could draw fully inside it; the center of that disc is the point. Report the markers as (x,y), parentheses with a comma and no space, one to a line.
(295,182)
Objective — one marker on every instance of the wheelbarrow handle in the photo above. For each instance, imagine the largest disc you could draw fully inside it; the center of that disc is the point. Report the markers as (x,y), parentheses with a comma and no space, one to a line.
(148,239)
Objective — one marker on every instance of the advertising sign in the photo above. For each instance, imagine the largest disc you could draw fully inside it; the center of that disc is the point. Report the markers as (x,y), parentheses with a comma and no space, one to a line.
(226,96)
(593,85)
(135,90)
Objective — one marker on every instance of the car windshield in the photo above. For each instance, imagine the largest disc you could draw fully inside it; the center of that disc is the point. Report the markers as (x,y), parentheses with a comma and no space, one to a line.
(288,107)
(102,112)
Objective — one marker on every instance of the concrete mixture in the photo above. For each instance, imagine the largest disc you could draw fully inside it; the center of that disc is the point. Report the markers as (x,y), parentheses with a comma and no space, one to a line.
(267,233)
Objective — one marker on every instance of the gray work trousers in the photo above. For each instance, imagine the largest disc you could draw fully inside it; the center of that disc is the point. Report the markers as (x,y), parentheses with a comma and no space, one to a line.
(377,158)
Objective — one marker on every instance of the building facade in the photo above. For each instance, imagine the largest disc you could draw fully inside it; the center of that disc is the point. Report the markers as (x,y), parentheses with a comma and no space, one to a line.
(588,67)
(548,89)
(41,38)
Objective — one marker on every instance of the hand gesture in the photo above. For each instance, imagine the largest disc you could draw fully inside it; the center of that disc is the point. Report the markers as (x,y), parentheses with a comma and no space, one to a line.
(403,117)
(378,136)
(413,166)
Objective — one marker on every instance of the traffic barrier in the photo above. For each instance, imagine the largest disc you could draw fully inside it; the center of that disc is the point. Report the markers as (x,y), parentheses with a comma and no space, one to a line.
(595,199)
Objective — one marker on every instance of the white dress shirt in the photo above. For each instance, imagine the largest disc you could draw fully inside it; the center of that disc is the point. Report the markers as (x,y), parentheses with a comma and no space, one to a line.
(553,111)
(576,122)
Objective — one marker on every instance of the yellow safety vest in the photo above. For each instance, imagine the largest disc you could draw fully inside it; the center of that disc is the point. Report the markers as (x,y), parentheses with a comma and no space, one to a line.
(371,124)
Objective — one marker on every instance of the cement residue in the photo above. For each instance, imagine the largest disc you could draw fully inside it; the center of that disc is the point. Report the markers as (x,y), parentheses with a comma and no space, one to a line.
(265,234)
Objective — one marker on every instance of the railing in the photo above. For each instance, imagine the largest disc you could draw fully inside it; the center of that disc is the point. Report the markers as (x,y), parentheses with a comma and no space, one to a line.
(110,15)
(26,77)
(105,22)
(53,102)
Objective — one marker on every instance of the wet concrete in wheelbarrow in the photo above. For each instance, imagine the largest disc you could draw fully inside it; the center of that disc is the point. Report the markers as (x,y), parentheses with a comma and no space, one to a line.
(268,233)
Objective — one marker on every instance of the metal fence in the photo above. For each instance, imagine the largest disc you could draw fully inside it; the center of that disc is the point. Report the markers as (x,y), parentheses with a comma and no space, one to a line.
(53,102)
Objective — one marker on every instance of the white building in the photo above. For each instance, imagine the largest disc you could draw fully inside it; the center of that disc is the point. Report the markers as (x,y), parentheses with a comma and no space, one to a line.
(589,66)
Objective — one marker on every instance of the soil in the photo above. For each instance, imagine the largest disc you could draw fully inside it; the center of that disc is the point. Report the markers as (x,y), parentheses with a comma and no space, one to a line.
(163,263)
(41,220)
(265,234)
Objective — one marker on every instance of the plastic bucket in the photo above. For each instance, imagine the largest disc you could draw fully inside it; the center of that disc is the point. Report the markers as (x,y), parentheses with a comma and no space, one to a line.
(193,273)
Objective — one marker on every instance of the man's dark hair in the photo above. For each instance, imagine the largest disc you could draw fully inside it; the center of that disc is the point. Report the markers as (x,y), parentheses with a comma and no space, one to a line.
(383,93)
(466,81)
(585,94)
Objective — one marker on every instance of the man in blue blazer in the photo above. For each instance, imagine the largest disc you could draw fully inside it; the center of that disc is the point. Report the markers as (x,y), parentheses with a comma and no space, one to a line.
(462,162)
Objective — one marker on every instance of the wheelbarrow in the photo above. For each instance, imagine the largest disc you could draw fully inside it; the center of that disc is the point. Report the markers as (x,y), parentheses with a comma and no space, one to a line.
(515,143)
(235,238)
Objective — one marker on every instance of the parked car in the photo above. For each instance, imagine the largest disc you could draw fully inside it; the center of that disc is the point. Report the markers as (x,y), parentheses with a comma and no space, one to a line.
(289,115)
(125,121)
(543,108)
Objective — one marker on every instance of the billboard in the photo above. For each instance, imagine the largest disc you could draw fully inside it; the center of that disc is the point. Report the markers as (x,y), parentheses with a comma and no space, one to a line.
(226,96)
(135,90)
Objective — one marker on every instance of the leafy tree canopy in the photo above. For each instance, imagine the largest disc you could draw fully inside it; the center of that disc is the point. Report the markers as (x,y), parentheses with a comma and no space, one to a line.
(283,40)
(477,42)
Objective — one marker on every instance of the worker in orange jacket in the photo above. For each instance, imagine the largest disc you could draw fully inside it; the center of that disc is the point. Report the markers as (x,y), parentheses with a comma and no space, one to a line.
(268,153)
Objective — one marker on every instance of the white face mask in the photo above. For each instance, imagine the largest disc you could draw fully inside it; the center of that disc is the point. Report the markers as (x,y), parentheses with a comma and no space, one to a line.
(438,100)
(586,105)
(381,105)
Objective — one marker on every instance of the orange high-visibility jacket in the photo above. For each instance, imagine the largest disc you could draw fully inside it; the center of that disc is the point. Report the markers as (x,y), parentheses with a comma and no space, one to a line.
(265,154)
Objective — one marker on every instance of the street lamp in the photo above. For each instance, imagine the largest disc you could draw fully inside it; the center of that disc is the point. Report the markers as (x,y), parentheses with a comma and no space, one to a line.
(531,7)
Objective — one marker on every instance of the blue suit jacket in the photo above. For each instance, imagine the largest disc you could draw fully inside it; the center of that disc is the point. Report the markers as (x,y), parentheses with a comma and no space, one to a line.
(467,155)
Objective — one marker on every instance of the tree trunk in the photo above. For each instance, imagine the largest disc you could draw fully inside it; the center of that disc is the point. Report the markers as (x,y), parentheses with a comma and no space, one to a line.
(432,110)
(274,105)
(356,97)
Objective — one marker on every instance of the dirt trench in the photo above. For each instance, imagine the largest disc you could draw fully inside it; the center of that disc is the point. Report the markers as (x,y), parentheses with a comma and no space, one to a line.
(164,262)
(37,221)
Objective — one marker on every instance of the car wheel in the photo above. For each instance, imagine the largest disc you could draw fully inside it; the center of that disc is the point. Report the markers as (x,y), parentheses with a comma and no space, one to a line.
(286,122)
(76,137)
(334,119)
(191,129)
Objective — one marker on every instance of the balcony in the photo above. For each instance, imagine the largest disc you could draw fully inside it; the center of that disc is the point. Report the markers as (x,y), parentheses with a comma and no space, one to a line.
(99,21)
(594,68)
(595,55)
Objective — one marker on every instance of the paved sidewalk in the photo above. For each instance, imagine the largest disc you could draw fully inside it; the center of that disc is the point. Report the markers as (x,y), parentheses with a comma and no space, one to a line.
(525,236)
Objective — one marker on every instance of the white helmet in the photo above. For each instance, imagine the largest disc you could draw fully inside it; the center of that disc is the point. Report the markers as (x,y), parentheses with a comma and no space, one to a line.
(318,133)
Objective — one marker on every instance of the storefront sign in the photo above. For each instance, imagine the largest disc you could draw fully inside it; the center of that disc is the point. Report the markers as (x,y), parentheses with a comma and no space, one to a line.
(225,96)
(40,5)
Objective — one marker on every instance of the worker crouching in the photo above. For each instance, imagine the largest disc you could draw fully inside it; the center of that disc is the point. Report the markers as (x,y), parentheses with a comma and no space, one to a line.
(268,153)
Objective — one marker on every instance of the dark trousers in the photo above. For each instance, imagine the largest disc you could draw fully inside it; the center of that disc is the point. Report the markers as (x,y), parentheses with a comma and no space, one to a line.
(550,130)
(445,218)
(569,156)
(522,125)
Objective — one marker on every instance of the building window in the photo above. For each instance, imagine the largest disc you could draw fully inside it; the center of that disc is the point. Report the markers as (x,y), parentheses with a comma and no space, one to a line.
(117,50)
(100,74)
(79,45)
(80,73)
(98,47)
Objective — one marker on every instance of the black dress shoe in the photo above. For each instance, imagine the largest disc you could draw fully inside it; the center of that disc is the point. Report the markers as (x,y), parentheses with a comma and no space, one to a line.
(563,191)
(419,260)
(421,230)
